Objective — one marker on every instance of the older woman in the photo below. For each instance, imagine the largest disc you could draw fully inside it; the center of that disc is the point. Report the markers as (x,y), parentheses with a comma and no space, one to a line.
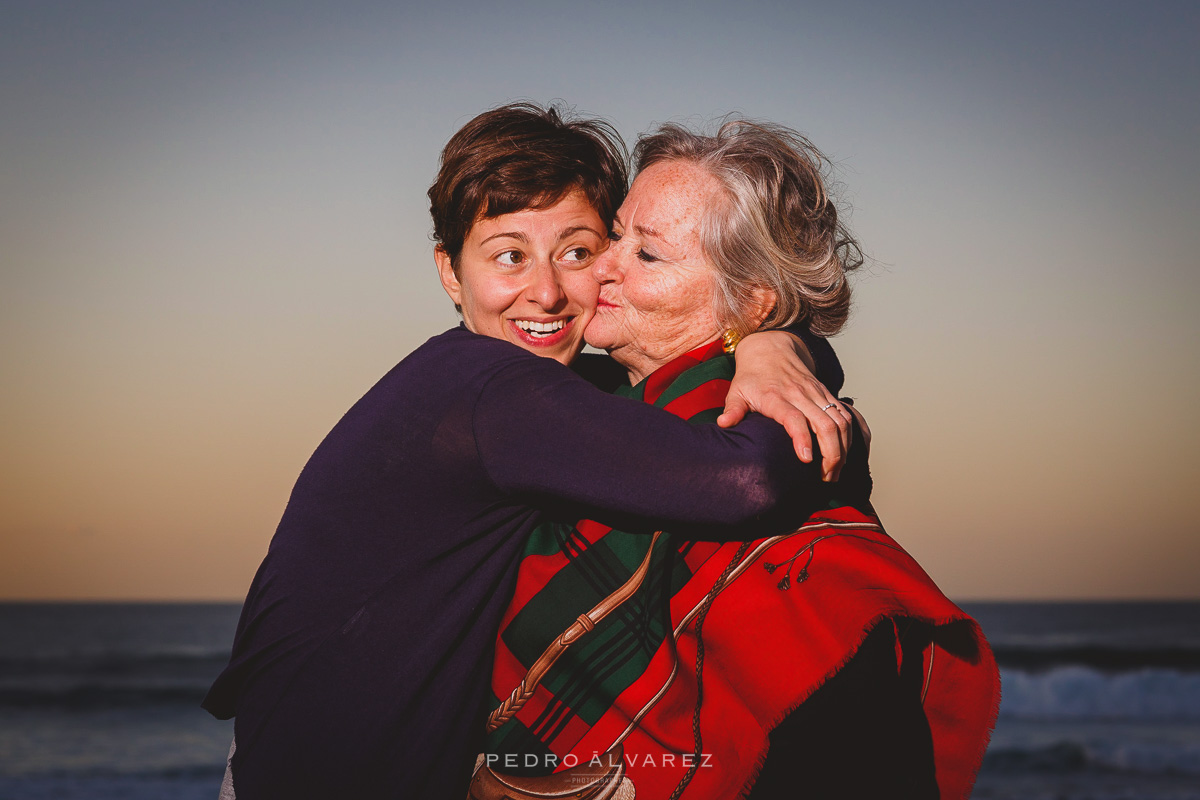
(825,643)
(361,660)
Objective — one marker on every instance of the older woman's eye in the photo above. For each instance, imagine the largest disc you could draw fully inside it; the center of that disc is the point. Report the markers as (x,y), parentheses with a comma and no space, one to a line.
(613,236)
(647,257)
(511,258)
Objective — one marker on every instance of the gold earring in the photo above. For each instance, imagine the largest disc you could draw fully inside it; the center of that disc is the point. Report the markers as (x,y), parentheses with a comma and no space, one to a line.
(730,340)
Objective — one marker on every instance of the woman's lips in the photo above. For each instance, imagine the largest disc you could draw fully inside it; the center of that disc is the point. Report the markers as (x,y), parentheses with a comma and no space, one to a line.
(542,333)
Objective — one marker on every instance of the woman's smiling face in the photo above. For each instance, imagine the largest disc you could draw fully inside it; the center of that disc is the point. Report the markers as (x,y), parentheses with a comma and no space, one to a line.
(525,277)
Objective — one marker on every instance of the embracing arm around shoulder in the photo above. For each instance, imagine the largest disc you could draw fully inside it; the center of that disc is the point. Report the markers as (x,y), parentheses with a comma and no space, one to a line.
(543,430)
(777,377)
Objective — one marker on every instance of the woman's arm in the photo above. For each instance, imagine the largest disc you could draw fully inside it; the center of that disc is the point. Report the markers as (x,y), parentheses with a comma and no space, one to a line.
(543,430)
(776,376)
(789,376)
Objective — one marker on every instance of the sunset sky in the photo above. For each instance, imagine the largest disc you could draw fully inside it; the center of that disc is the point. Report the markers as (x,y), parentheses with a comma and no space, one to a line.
(214,238)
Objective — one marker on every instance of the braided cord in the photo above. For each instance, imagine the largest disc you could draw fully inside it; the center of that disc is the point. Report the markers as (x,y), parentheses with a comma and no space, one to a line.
(700,615)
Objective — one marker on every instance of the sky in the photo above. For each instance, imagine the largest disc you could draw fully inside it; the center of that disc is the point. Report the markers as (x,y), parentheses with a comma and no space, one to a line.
(214,238)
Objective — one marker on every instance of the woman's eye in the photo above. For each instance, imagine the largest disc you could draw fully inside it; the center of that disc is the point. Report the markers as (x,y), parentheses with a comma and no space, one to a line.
(613,236)
(577,254)
(511,258)
(646,257)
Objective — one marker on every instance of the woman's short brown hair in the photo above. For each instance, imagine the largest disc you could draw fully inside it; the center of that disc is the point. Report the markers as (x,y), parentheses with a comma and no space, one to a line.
(778,228)
(521,156)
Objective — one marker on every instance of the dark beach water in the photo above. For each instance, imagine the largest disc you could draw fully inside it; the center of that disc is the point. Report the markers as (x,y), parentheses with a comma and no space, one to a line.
(102,700)
(1101,700)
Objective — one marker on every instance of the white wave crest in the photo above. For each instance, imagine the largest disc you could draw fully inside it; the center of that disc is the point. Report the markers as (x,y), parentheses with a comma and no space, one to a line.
(1077,693)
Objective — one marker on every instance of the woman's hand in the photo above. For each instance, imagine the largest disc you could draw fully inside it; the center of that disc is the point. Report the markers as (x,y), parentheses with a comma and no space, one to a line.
(775,378)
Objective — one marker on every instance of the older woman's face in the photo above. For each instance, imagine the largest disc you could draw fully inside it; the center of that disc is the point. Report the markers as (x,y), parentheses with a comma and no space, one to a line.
(657,288)
(525,276)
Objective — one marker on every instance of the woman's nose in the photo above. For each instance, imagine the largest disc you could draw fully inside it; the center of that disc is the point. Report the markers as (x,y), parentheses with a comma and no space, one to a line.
(544,287)
(606,269)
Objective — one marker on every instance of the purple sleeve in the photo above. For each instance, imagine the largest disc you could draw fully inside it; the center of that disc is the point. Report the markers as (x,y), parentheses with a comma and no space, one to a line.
(829,368)
(604,372)
(543,430)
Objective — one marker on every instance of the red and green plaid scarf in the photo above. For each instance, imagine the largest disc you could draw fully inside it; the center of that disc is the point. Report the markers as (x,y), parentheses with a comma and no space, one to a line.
(780,616)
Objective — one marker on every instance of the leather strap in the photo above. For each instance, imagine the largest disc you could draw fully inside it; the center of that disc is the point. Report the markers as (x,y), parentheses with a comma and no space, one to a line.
(582,625)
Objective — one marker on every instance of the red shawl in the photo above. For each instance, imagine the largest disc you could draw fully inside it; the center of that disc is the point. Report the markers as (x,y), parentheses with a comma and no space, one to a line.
(789,612)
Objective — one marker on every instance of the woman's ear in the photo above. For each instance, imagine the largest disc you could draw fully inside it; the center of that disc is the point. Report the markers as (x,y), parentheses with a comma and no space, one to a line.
(761,306)
(447,275)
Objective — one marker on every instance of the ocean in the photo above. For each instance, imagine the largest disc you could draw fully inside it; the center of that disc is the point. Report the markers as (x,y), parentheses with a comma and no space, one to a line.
(1099,701)
(98,701)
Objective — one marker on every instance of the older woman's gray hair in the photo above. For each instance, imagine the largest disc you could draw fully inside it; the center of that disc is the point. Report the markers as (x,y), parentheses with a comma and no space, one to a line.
(778,230)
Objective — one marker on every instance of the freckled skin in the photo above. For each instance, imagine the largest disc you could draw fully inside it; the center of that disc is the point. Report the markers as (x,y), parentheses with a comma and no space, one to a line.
(657,287)
(530,265)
